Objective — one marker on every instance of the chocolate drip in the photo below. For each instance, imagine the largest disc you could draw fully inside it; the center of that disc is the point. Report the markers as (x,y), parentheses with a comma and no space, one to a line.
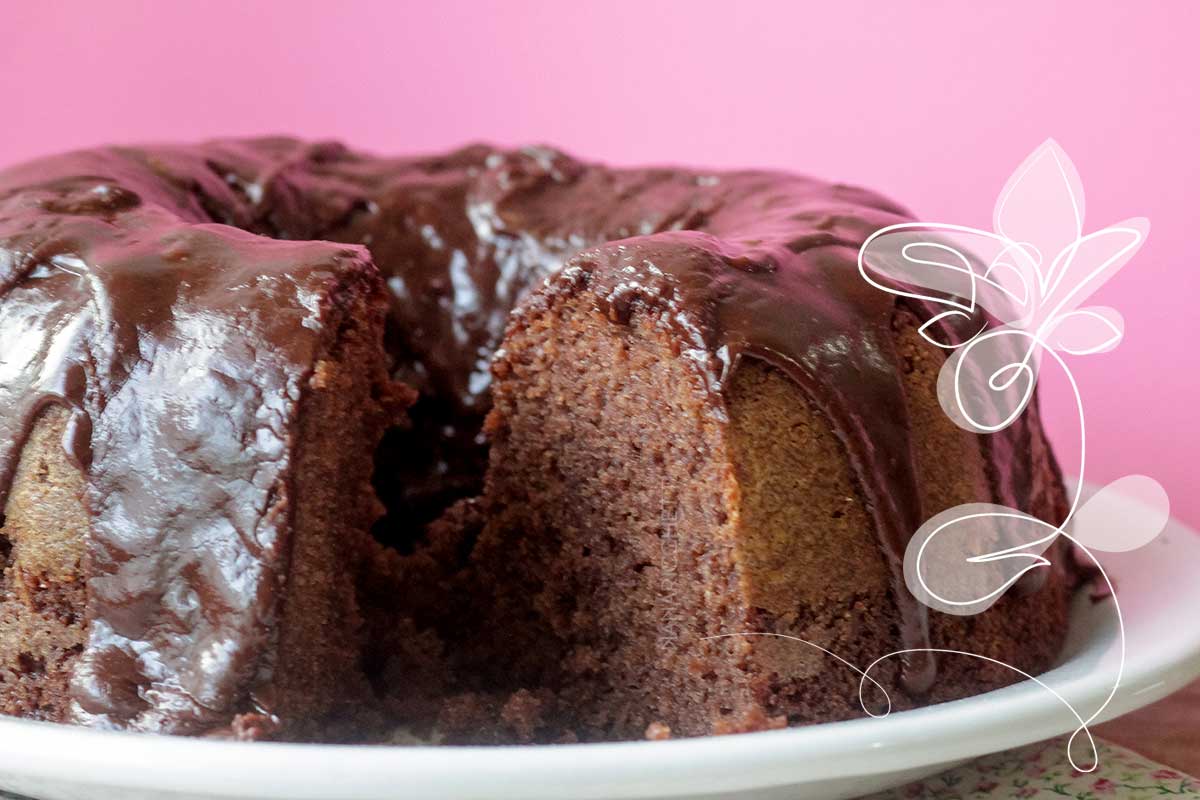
(183,343)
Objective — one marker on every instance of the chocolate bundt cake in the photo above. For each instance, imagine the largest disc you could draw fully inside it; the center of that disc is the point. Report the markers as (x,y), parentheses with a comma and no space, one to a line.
(298,442)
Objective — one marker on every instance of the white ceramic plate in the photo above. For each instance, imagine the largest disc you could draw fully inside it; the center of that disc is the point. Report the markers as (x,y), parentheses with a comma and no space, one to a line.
(1159,596)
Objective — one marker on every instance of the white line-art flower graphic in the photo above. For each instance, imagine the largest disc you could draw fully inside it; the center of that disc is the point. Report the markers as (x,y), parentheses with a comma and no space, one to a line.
(1002,301)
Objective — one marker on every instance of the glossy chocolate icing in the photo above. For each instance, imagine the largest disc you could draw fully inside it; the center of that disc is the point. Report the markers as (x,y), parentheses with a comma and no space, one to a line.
(182,349)
(146,289)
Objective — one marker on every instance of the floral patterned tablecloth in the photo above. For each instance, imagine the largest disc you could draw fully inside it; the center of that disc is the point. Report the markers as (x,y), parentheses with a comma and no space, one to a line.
(1043,771)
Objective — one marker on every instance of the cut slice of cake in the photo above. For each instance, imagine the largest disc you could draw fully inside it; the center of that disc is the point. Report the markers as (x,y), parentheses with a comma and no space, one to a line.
(683,532)
(189,414)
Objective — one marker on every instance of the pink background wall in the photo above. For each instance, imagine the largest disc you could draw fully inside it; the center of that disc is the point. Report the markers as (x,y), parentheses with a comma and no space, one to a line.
(933,103)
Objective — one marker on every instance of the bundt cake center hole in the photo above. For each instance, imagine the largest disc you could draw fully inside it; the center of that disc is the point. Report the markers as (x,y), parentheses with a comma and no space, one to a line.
(424,468)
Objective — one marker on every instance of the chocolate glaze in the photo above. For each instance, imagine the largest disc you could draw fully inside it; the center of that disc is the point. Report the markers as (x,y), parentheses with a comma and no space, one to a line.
(182,344)
(183,349)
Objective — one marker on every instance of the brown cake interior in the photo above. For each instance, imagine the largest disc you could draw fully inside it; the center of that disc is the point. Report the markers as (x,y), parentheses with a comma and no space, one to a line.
(629,520)
(610,543)
(43,542)
(317,678)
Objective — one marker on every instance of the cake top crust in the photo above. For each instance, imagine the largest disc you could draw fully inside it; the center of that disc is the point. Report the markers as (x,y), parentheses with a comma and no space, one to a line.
(174,297)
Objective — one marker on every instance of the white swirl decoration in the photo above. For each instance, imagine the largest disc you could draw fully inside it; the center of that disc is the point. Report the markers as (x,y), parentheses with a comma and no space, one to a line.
(1001,301)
